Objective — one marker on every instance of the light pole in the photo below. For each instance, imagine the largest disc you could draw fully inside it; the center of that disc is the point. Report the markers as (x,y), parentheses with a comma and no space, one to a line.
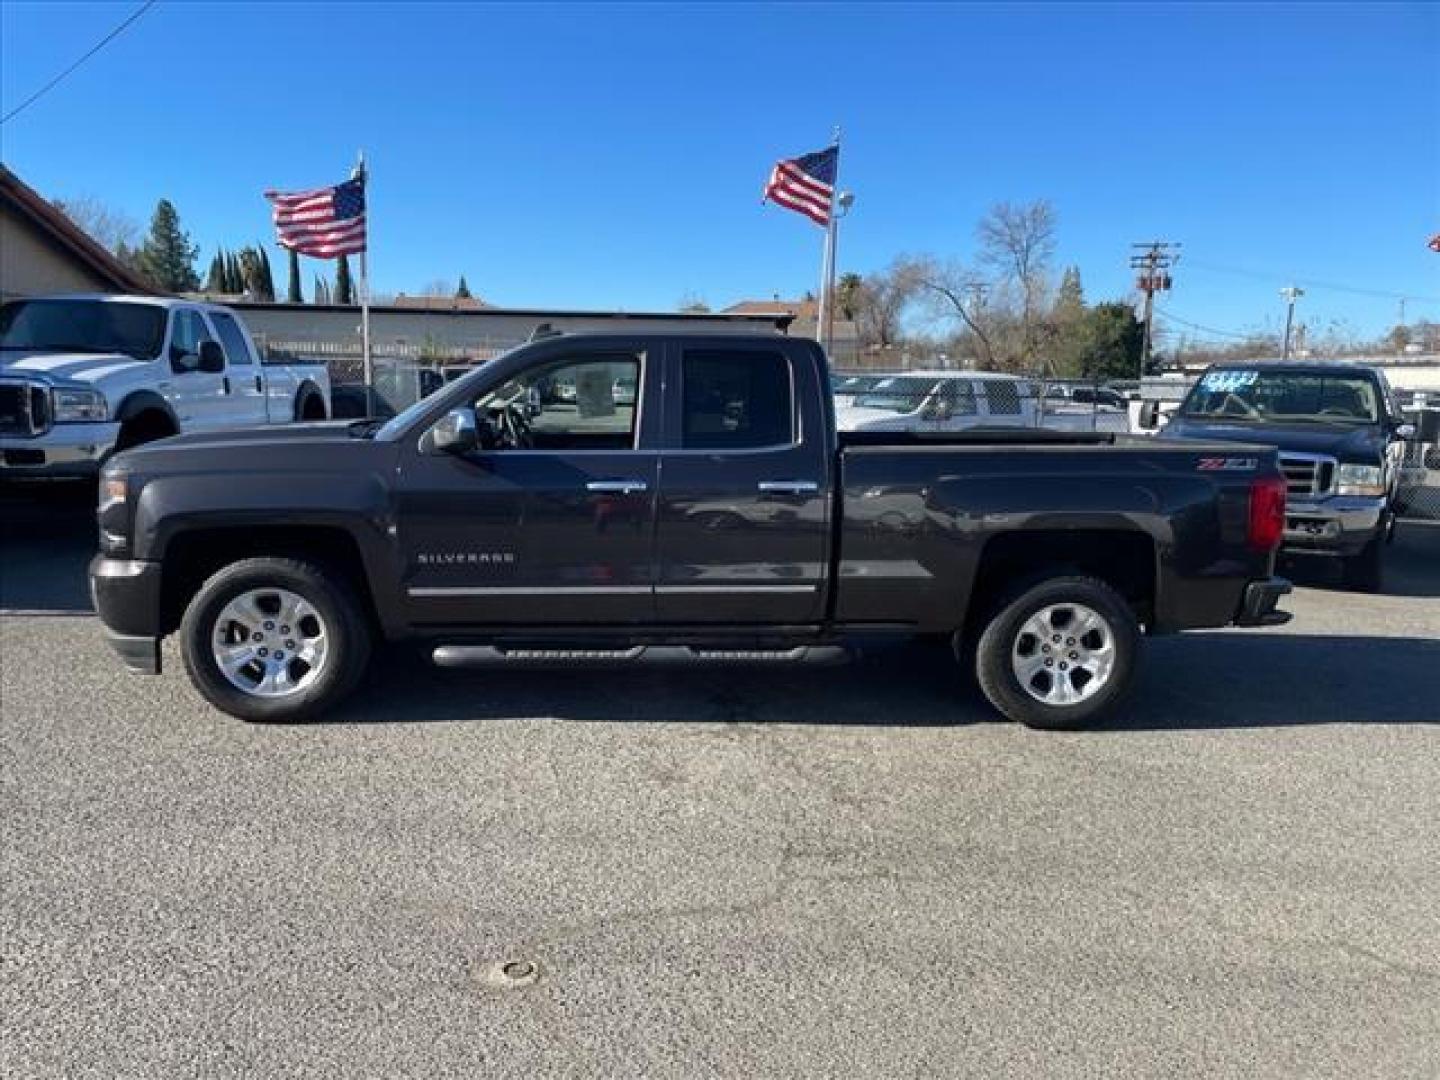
(1291,294)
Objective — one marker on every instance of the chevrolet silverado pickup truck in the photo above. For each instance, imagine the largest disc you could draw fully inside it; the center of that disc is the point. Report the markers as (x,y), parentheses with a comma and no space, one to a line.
(712,516)
(84,376)
(1341,444)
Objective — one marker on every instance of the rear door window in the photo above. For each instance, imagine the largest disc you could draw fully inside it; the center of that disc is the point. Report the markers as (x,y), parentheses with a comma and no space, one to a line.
(232,338)
(736,399)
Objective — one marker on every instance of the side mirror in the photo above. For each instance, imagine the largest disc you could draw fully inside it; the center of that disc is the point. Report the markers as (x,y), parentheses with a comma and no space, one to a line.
(212,358)
(938,408)
(183,363)
(1149,418)
(456,432)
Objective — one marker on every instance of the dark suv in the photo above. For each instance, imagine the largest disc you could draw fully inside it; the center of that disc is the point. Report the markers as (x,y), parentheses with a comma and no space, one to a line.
(1341,443)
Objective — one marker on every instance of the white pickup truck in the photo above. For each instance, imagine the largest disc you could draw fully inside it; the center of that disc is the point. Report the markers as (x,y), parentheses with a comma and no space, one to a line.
(83,376)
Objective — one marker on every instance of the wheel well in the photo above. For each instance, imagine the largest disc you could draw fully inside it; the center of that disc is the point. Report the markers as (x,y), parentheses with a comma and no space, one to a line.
(146,425)
(192,557)
(309,404)
(1122,558)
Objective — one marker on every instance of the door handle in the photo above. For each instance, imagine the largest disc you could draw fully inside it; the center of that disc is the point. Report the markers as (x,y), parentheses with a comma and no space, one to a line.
(618,487)
(788,487)
(225,382)
(258,388)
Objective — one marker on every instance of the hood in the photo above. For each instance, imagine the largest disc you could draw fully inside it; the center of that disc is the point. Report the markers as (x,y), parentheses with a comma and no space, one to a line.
(856,418)
(49,367)
(1359,444)
(286,448)
(252,438)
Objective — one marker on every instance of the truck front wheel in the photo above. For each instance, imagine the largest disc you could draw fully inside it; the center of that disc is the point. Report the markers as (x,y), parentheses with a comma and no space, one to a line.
(1058,654)
(274,639)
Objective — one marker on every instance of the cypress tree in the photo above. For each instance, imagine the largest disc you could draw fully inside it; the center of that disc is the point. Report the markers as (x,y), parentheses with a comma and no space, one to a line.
(463,292)
(215,279)
(292,293)
(344,290)
(267,280)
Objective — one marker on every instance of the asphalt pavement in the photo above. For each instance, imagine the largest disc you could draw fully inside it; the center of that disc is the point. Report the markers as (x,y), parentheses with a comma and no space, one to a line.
(849,872)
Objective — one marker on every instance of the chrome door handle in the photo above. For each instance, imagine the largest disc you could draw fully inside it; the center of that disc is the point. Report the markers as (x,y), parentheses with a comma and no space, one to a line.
(617,487)
(788,487)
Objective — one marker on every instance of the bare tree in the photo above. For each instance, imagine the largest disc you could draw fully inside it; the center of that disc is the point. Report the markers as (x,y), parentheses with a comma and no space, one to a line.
(1017,242)
(954,291)
(437,287)
(877,302)
(692,304)
(112,229)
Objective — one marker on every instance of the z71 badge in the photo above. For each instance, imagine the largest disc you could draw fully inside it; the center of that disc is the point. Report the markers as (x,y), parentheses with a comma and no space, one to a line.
(1227,464)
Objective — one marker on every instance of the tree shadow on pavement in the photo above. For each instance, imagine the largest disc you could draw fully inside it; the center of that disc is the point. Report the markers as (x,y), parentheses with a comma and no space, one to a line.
(1224,679)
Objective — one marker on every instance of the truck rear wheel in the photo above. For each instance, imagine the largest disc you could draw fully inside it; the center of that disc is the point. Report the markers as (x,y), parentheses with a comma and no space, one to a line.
(1059,654)
(274,639)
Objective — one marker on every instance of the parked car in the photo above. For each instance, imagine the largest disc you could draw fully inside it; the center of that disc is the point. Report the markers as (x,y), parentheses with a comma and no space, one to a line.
(1341,447)
(845,387)
(84,376)
(724,520)
(933,401)
(1085,407)
(623,391)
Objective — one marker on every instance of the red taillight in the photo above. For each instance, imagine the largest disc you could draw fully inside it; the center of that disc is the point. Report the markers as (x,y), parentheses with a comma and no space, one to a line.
(1267,512)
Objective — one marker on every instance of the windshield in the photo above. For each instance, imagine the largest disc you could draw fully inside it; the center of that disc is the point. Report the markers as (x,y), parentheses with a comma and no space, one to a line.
(94,326)
(1249,394)
(899,395)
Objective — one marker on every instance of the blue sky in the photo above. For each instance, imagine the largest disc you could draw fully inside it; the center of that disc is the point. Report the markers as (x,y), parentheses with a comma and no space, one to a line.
(601,157)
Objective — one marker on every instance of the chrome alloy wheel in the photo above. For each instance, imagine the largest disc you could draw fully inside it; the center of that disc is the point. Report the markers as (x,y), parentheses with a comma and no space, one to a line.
(1063,654)
(270,643)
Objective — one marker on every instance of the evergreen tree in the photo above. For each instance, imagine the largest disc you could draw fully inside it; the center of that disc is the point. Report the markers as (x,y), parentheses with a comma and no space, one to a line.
(293,294)
(168,255)
(344,289)
(234,280)
(1070,299)
(463,291)
(1113,339)
(322,290)
(267,279)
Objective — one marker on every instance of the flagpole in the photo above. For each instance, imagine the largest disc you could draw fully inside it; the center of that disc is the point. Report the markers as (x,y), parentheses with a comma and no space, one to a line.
(824,314)
(364,177)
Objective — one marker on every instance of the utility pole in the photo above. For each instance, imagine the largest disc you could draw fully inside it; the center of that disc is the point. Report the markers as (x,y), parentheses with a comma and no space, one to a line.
(1152,262)
(1291,294)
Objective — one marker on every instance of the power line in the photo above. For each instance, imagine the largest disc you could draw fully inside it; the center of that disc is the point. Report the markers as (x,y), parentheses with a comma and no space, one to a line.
(1313,283)
(1206,329)
(96,48)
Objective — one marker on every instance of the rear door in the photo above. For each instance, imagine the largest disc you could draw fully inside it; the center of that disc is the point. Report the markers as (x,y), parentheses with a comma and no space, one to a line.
(556,525)
(247,382)
(743,520)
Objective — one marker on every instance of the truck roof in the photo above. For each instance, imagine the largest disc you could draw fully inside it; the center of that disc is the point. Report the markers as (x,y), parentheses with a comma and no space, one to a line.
(1302,367)
(131,298)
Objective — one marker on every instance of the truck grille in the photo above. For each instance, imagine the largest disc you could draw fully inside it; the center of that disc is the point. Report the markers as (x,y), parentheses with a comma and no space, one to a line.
(1307,474)
(24,409)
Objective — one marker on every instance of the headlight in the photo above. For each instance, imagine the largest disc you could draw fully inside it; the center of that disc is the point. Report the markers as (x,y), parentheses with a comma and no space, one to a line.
(75,406)
(114,488)
(1363,480)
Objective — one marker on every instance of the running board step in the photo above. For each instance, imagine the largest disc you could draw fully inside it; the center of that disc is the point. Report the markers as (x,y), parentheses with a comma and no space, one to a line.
(455,656)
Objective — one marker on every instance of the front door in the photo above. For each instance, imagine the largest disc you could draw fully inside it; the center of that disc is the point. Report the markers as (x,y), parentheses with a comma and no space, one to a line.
(743,525)
(200,398)
(247,380)
(553,522)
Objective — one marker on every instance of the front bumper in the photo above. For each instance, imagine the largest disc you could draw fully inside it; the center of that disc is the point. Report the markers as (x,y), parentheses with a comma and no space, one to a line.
(1257,608)
(126,593)
(1336,526)
(65,451)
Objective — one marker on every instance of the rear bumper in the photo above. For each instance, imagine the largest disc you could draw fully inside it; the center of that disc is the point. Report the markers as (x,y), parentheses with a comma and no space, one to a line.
(65,451)
(127,599)
(1339,526)
(1257,607)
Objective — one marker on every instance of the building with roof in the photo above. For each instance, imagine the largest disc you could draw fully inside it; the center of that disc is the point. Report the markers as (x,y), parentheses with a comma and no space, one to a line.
(804,317)
(43,251)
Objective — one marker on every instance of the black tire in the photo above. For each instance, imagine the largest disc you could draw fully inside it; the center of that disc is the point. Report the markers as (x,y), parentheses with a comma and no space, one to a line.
(345,626)
(995,672)
(1365,572)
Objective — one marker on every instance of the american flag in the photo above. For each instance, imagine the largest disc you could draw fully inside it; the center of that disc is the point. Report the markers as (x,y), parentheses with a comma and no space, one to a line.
(324,223)
(806,184)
